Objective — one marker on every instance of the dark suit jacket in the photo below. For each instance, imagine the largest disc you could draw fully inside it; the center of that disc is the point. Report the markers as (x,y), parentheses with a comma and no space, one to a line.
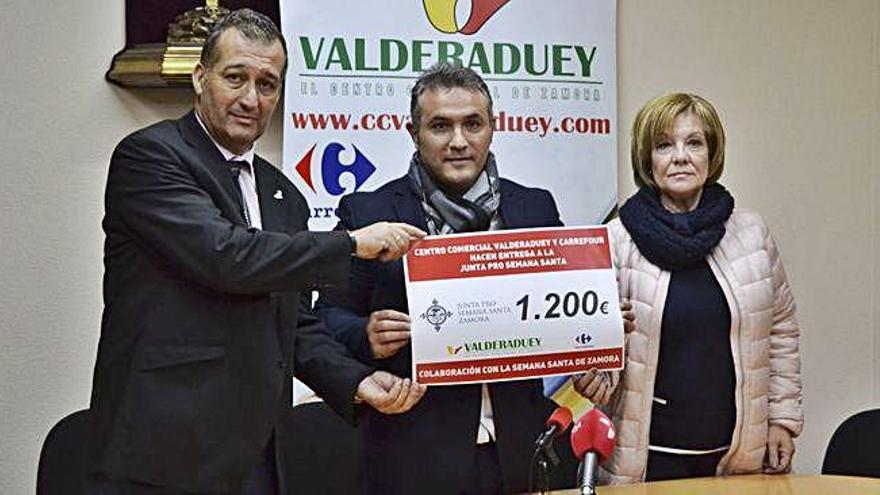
(203,322)
(431,448)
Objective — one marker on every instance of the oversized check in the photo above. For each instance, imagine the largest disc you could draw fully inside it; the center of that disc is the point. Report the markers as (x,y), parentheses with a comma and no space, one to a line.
(509,305)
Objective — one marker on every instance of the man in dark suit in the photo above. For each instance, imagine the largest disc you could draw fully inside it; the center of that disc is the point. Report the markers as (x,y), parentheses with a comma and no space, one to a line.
(474,439)
(206,256)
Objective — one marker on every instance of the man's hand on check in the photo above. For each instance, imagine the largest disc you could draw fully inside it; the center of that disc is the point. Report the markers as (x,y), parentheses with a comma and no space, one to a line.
(390,394)
(385,241)
(388,331)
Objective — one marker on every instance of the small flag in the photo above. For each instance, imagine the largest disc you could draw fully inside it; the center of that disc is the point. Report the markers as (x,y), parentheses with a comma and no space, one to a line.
(560,389)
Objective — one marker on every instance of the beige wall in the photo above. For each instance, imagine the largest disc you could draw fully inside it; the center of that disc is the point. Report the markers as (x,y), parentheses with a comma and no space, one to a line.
(797,83)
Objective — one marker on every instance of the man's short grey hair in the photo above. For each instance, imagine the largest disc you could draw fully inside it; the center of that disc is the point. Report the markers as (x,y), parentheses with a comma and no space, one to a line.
(446,76)
(253,25)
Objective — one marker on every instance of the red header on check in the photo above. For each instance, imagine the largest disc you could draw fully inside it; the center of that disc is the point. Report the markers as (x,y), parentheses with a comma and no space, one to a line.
(509,252)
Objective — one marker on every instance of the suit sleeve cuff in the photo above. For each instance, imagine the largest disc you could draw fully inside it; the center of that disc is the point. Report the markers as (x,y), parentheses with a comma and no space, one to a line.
(332,271)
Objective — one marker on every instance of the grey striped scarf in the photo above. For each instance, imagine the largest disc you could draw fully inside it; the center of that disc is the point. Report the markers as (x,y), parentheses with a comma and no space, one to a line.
(476,210)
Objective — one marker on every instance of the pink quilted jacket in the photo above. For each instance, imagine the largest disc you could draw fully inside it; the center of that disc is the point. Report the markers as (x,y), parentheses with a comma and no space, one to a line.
(764,338)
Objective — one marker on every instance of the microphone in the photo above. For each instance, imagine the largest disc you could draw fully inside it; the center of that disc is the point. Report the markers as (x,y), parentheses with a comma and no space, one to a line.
(545,460)
(556,424)
(592,440)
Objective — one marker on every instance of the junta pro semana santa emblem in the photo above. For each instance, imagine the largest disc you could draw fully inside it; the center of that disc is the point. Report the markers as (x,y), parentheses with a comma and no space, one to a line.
(436,315)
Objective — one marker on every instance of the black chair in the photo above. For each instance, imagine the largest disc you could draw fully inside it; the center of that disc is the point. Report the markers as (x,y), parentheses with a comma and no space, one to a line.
(320,452)
(853,449)
(62,466)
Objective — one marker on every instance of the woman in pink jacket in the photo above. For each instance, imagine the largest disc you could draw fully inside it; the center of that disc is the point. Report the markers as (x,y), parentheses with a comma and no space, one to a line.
(712,382)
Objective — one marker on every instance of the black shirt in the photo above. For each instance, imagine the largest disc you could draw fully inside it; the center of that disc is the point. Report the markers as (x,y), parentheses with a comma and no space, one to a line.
(695,370)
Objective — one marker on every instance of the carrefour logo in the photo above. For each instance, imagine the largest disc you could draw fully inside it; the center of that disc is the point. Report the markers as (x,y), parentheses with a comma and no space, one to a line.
(442,14)
(332,169)
(583,340)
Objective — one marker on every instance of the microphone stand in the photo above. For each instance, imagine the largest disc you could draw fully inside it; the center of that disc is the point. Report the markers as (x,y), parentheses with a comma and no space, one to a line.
(587,473)
(544,462)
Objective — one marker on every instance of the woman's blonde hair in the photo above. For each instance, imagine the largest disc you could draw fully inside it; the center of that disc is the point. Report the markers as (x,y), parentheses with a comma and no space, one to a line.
(657,117)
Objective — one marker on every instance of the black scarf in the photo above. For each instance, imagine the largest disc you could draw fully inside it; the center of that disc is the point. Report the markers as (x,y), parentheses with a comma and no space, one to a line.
(673,241)
(449,213)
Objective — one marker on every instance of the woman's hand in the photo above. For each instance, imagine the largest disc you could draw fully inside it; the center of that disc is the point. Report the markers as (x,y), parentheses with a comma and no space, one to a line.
(629,316)
(780,450)
(594,385)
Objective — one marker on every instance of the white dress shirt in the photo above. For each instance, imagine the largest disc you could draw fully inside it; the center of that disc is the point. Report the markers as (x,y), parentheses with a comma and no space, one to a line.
(486,429)
(247,180)
(486,432)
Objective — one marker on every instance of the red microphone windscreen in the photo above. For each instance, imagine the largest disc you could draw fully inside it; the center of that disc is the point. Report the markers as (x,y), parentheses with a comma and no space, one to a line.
(594,432)
(561,417)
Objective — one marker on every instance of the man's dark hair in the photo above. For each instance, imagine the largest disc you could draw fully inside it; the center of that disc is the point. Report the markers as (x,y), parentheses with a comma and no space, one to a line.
(252,25)
(446,76)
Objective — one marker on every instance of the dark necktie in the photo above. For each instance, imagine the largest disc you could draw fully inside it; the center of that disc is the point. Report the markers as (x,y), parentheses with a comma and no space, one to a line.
(235,170)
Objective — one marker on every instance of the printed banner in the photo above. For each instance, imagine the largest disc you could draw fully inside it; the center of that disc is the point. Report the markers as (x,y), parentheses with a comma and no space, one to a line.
(551,68)
(511,305)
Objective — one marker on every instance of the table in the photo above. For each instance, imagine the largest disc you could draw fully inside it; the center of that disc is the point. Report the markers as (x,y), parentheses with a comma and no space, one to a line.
(758,484)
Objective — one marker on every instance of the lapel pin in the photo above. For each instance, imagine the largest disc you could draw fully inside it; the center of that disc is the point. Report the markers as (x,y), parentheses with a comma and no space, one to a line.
(278,194)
